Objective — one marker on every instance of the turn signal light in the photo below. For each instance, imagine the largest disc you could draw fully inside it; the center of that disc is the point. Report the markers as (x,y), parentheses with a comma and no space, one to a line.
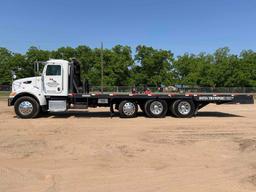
(12,94)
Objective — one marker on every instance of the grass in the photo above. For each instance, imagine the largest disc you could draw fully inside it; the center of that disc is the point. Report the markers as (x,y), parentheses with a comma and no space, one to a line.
(4,93)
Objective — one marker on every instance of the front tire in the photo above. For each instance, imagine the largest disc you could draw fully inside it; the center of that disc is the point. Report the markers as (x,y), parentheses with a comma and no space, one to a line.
(26,107)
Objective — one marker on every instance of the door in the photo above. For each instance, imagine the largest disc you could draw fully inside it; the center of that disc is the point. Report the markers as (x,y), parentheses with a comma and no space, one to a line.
(53,80)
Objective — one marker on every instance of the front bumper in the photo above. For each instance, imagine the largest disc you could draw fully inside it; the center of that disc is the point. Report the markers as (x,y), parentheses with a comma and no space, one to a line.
(10,103)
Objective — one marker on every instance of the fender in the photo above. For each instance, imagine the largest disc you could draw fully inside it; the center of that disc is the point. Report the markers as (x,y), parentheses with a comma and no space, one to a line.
(39,97)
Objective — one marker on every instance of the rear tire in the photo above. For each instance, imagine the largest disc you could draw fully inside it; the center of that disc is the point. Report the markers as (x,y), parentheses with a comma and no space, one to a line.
(183,108)
(156,108)
(146,107)
(26,107)
(172,108)
(128,109)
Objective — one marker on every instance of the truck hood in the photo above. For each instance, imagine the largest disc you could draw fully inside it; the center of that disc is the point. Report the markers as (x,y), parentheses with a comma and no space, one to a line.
(30,82)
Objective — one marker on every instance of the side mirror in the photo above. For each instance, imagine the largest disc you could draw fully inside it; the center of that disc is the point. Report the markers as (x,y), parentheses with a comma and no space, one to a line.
(13,74)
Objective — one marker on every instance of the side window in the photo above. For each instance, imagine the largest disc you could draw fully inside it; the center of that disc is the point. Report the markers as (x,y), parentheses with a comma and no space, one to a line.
(53,70)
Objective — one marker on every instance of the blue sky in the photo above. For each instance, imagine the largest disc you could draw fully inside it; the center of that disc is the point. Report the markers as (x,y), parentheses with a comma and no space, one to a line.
(177,25)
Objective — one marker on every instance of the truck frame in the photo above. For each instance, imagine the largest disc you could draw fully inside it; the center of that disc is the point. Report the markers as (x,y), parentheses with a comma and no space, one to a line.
(59,89)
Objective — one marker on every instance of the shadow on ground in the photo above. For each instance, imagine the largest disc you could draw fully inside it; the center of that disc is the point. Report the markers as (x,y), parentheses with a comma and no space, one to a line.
(86,114)
(216,114)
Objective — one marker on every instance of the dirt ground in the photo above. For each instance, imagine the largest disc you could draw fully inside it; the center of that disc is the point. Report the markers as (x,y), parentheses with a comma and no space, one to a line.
(90,152)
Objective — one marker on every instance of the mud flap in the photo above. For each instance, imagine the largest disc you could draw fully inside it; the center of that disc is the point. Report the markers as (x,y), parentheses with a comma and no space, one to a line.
(112,112)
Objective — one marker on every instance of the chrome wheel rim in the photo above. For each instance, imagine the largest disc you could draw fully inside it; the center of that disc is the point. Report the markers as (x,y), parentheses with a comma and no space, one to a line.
(156,107)
(129,108)
(184,107)
(25,107)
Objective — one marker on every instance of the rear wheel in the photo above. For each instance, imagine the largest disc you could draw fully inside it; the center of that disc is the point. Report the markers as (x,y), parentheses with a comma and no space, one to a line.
(156,108)
(128,109)
(183,108)
(26,107)
(172,108)
(145,107)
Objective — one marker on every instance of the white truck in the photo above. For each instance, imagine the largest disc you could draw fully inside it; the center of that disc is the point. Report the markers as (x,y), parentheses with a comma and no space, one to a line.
(59,89)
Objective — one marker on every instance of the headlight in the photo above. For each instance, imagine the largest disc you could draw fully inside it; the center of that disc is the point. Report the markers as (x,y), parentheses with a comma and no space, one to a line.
(16,86)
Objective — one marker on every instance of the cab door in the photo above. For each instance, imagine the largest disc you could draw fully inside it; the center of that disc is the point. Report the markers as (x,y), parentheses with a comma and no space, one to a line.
(53,79)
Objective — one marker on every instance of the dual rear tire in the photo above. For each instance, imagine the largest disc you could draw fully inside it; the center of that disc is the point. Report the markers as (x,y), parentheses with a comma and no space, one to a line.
(158,108)
(183,108)
(152,108)
(128,109)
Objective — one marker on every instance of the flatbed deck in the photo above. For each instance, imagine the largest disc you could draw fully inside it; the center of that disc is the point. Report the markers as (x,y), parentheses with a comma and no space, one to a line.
(214,97)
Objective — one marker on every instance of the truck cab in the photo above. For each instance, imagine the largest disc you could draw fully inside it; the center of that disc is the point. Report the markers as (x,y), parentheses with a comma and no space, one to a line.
(29,95)
(55,78)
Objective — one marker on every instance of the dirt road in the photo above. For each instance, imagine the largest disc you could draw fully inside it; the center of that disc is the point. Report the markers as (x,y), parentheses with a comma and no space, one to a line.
(90,152)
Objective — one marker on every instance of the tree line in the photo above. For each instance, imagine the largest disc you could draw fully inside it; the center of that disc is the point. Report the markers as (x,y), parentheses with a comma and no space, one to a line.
(147,66)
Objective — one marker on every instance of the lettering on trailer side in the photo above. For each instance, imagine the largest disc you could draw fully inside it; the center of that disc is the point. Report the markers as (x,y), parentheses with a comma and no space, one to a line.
(215,98)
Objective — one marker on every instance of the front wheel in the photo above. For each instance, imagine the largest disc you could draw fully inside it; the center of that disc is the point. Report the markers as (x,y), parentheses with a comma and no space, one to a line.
(26,107)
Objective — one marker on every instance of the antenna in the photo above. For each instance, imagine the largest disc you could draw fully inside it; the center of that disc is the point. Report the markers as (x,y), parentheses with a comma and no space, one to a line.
(101,59)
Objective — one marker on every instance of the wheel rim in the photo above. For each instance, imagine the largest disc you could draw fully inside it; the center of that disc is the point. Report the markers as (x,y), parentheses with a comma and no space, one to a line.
(129,108)
(156,107)
(184,107)
(25,107)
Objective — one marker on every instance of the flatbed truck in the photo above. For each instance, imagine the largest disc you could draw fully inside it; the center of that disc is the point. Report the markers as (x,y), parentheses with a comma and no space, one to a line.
(59,89)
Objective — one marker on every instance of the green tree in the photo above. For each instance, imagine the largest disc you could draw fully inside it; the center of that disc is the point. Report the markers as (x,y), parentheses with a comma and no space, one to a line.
(150,66)
(85,56)
(195,70)
(21,66)
(247,68)
(154,66)
(228,69)
(64,53)
(34,55)
(5,66)
(117,62)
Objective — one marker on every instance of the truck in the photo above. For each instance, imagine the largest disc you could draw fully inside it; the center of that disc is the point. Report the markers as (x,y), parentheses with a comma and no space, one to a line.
(59,89)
